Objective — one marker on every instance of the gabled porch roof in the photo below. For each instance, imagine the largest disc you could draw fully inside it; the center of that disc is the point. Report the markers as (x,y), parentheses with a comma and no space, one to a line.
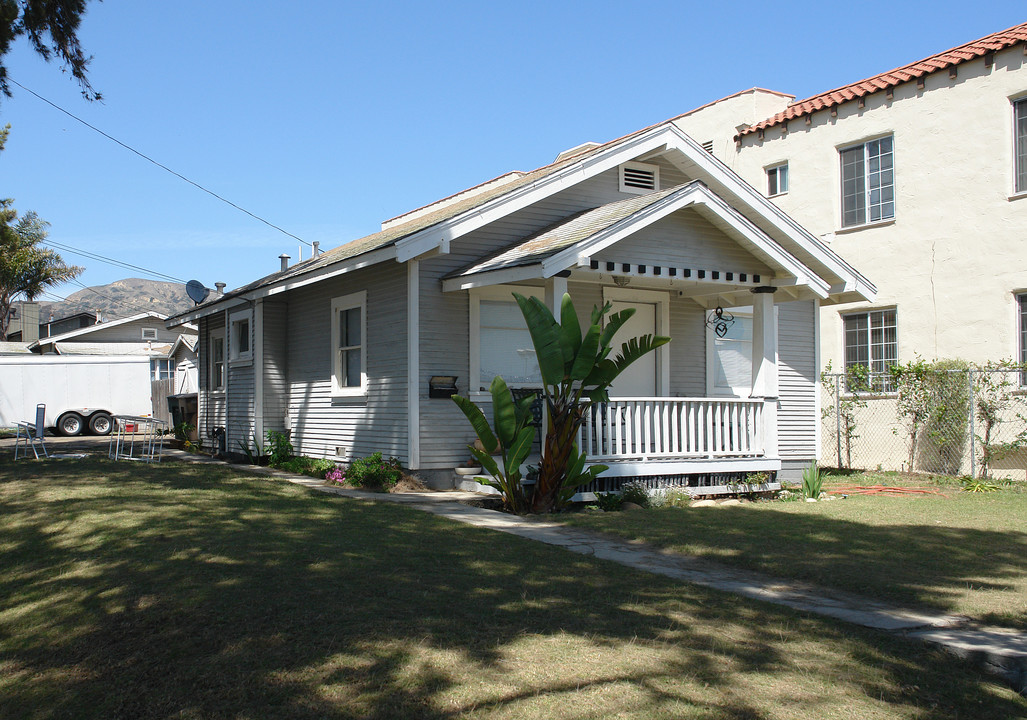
(574,244)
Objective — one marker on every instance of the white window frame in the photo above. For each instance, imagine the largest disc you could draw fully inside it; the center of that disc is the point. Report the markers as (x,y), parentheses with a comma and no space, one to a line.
(644,167)
(213,386)
(1019,108)
(1021,333)
(235,322)
(149,333)
(339,305)
(879,382)
(494,293)
(868,191)
(775,172)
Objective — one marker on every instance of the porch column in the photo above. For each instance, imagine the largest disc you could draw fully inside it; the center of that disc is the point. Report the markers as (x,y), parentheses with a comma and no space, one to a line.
(764,363)
(556,287)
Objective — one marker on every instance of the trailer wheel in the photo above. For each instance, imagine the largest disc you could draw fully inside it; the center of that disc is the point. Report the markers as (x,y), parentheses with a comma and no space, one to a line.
(101,423)
(70,424)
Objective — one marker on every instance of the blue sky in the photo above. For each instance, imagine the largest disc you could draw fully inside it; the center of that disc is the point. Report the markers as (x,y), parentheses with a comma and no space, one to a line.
(327,117)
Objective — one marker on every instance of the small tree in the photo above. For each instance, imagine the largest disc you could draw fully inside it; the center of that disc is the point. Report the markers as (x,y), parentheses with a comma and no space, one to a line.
(576,371)
(913,401)
(845,400)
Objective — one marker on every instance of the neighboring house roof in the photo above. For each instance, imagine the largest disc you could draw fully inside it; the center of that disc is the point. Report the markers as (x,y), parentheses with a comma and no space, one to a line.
(113,348)
(184,341)
(948,58)
(14,348)
(96,328)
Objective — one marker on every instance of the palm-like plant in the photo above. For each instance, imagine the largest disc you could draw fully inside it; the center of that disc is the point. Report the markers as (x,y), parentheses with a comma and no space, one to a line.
(576,371)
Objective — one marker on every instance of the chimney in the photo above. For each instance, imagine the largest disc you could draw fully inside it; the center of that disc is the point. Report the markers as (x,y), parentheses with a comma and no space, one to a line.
(317,247)
(285,261)
(29,322)
(99,316)
(220,287)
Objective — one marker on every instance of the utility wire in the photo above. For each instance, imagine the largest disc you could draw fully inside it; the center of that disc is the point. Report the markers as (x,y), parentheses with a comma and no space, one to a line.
(124,303)
(110,261)
(149,159)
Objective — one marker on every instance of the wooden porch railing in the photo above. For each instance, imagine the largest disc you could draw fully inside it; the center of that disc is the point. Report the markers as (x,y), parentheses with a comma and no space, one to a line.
(666,428)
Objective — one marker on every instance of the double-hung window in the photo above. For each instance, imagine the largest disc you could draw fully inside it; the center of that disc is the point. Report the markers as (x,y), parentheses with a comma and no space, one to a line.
(777,180)
(1021,306)
(217,360)
(871,342)
(162,368)
(868,182)
(349,333)
(1020,148)
(239,340)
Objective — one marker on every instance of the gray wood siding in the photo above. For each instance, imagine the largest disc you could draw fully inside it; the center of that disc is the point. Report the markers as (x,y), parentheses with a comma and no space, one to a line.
(684,239)
(363,425)
(129,332)
(275,366)
(240,396)
(687,348)
(797,381)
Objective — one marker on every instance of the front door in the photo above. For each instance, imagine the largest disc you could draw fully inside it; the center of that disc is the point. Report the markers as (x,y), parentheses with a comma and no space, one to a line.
(639,379)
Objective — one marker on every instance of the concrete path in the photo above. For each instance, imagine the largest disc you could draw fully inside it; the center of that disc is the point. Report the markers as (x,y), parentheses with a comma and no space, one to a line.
(1000,651)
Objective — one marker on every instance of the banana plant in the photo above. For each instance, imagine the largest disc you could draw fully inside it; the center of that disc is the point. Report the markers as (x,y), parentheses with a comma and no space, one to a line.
(576,371)
(512,437)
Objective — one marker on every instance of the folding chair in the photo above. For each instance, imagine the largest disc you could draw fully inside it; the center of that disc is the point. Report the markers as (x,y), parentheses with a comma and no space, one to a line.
(33,433)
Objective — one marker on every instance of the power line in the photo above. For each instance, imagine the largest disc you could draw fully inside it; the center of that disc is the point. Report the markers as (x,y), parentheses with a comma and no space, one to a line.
(112,299)
(110,261)
(163,167)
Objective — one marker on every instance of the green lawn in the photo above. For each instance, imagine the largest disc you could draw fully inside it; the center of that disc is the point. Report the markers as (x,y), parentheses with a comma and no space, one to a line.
(964,552)
(176,591)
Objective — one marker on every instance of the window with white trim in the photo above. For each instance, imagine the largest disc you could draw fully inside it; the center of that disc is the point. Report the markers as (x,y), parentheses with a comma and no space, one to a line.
(162,368)
(1020,147)
(349,333)
(240,341)
(217,360)
(868,182)
(730,357)
(777,180)
(149,333)
(871,341)
(639,178)
(500,341)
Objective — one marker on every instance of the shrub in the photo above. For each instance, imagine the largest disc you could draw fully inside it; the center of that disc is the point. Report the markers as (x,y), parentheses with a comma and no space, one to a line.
(374,472)
(278,449)
(977,485)
(182,431)
(635,492)
(609,502)
(336,476)
(314,467)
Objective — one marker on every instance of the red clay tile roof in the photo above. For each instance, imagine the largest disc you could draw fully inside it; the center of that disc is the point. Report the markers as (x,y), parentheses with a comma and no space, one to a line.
(955,56)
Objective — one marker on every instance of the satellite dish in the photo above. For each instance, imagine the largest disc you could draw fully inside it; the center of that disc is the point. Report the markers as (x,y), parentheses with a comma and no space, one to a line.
(196,291)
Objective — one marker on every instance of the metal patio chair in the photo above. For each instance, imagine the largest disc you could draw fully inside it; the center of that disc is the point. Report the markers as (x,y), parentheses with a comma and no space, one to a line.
(32,433)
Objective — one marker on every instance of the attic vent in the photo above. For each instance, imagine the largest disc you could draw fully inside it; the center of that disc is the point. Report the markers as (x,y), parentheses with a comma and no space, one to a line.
(708,146)
(639,178)
(149,333)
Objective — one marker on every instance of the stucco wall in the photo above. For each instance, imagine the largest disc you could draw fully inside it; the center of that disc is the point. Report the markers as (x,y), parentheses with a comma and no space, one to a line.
(953,257)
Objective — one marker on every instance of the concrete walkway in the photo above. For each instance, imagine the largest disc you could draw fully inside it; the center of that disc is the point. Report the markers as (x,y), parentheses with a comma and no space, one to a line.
(1000,651)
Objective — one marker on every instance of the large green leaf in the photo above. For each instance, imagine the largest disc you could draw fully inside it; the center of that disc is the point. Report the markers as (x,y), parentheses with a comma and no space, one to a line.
(570,330)
(504,413)
(478,422)
(585,361)
(613,324)
(487,461)
(545,336)
(635,348)
(518,451)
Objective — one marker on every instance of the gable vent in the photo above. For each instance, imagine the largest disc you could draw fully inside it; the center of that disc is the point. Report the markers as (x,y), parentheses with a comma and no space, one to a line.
(639,178)
(708,146)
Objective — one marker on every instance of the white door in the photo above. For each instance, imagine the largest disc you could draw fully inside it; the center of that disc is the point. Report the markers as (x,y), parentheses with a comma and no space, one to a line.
(639,380)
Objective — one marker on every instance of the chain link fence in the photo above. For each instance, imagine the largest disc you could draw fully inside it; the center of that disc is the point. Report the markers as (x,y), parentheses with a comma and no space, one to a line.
(964,421)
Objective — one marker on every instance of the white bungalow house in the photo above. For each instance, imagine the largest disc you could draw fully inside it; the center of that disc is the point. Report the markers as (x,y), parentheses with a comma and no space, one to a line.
(340,350)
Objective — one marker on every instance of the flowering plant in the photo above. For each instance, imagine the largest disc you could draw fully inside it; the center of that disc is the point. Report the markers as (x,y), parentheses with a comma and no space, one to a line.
(336,476)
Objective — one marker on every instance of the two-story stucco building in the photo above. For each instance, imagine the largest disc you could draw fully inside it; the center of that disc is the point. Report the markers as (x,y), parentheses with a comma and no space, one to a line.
(918,176)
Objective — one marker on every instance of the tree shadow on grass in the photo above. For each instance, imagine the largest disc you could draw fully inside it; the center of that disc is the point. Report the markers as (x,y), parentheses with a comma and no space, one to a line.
(190,592)
(931,566)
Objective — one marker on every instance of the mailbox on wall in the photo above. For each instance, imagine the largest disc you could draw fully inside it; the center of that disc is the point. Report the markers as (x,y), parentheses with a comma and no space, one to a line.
(442,386)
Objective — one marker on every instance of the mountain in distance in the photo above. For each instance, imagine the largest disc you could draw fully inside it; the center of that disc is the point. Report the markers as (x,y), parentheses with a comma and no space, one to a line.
(121,299)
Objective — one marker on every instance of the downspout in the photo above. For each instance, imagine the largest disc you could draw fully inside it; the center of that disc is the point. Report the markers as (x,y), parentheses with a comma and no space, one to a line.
(258,370)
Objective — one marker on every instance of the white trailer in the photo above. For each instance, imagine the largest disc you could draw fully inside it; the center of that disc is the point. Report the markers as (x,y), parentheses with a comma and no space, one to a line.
(81,393)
